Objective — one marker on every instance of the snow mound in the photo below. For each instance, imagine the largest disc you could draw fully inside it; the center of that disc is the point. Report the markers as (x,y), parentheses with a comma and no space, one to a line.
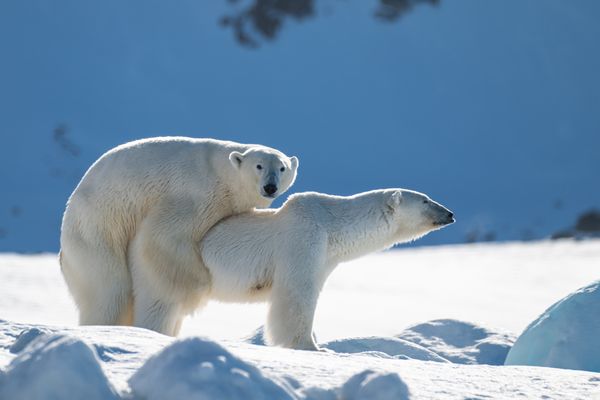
(383,346)
(201,369)
(444,340)
(55,367)
(567,335)
(460,342)
(25,337)
(371,385)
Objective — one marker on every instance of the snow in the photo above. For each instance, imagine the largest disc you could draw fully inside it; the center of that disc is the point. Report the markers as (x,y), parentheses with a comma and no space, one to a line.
(306,375)
(26,337)
(377,346)
(201,369)
(461,342)
(370,385)
(566,335)
(370,323)
(56,367)
(382,347)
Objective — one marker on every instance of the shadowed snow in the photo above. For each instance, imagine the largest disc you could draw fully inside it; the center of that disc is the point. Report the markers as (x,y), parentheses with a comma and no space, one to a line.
(56,367)
(370,385)
(202,369)
(383,346)
(460,342)
(27,336)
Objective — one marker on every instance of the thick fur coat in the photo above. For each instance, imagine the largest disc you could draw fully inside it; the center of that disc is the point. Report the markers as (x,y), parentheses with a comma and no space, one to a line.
(130,230)
(284,256)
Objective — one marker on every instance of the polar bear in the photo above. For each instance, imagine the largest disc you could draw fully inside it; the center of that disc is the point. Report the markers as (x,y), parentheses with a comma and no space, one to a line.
(130,230)
(284,256)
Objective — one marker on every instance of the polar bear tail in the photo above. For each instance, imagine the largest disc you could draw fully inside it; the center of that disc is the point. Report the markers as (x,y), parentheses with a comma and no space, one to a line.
(99,282)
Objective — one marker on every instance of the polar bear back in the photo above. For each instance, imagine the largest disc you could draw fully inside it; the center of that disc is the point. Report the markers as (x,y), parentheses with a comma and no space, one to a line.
(124,183)
(158,165)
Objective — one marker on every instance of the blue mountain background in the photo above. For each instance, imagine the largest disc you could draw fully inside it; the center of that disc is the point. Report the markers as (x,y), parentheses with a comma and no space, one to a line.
(490,107)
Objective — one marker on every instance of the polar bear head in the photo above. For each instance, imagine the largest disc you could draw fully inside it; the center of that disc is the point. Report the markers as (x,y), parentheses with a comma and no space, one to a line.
(414,214)
(267,171)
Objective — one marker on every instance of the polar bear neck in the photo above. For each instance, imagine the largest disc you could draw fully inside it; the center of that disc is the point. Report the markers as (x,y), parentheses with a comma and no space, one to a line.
(359,237)
(355,226)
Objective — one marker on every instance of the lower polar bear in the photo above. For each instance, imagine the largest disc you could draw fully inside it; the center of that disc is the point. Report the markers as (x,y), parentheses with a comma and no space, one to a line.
(130,231)
(284,256)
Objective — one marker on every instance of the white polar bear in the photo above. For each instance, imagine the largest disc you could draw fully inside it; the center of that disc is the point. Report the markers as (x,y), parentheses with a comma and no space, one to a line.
(284,256)
(130,232)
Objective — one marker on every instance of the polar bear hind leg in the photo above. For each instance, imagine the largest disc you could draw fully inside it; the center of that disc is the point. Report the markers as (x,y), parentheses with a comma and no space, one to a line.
(99,281)
(169,278)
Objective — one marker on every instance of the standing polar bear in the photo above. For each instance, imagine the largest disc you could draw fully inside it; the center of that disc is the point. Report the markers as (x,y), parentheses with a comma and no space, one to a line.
(130,231)
(284,256)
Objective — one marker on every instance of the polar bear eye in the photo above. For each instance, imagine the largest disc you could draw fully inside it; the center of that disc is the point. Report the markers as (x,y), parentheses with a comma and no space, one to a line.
(282,169)
(425,202)
(259,166)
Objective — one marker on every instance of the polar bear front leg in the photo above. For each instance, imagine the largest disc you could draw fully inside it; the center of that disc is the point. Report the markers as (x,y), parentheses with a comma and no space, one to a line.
(294,297)
(290,321)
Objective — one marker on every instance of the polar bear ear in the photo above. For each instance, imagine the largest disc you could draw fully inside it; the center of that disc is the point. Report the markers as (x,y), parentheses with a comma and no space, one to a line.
(235,157)
(295,162)
(394,200)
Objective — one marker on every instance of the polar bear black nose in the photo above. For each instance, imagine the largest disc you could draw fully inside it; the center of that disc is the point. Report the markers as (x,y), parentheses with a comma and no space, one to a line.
(451,217)
(270,188)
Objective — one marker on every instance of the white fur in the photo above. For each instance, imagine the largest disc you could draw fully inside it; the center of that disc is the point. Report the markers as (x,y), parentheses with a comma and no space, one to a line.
(284,256)
(131,227)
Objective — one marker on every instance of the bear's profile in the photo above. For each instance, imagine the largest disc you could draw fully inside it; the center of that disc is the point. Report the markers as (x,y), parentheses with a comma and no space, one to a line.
(284,256)
(131,228)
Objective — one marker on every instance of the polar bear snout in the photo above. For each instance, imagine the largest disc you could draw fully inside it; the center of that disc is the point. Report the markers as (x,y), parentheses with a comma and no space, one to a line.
(443,216)
(270,185)
(269,190)
(447,220)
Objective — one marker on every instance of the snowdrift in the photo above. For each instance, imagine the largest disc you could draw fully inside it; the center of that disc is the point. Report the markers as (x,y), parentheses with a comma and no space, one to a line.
(444,340)
(566,335)
(461,342)
(198,368)
(44,362)
(55,367)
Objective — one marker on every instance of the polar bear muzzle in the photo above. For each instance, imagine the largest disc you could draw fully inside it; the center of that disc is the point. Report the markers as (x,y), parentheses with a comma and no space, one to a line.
(270,189)
(443,216)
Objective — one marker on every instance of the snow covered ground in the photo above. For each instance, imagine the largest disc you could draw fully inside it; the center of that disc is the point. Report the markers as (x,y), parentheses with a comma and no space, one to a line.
(371,317)
(566,335)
